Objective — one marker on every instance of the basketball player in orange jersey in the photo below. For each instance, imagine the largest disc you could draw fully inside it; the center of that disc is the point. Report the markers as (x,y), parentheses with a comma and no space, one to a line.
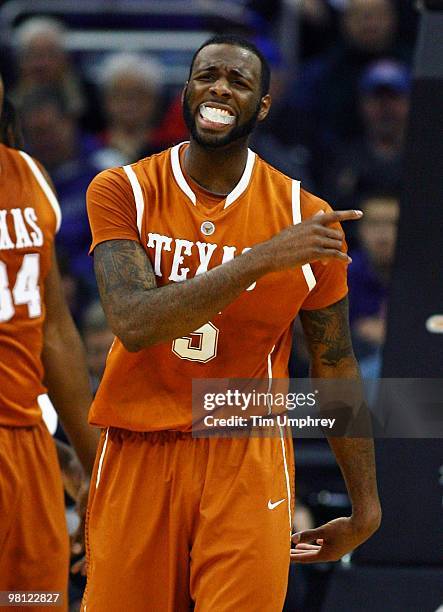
(174,521)
(40,353)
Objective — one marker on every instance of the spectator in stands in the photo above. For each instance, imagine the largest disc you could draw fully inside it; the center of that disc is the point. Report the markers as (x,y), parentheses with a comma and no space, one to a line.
(97,338)
(374,161)
(53,136)
(42,60)
(317,21)
(77,294)
(369,277)
(327,85)
(131,90)
(282,139)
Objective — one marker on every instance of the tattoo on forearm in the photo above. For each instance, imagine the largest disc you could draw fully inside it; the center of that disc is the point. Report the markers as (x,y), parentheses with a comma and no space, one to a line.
(122,263)
(121,268)
(327,333)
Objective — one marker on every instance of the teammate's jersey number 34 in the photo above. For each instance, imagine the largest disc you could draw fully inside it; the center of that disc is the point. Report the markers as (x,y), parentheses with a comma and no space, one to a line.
(26,289)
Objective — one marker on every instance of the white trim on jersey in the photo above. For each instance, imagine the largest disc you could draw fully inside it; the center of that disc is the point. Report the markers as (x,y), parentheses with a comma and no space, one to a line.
(47,190)
(296,218)
(243,182)
(49,414)
(282,440)
(179,177)
(138,196)
(231,197)
(100,462)
(288,484)
(270,379)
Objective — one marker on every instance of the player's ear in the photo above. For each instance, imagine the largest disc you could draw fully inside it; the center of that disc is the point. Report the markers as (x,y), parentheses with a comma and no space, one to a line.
(265,106)
(185,87)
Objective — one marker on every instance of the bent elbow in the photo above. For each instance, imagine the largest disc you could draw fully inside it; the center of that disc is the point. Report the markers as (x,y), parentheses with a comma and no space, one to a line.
(134,336)
(131,341)
(127,333)
(134,340)
(131,347)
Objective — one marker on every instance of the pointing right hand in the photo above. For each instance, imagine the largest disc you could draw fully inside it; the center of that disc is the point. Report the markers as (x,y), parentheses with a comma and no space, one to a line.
(309,241)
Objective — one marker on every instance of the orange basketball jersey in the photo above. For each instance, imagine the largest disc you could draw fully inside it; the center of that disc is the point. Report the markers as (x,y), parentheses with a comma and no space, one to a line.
(153,202)
(29,219)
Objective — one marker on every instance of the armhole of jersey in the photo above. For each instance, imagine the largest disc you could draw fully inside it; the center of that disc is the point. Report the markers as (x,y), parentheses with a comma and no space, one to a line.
(138,196)
(296,218)
(47,190)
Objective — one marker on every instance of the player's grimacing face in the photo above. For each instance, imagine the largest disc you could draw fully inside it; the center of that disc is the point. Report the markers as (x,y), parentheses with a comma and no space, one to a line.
(222,101)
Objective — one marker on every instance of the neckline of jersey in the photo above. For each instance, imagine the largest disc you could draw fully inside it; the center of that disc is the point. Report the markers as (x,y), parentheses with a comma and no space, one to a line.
(234,195)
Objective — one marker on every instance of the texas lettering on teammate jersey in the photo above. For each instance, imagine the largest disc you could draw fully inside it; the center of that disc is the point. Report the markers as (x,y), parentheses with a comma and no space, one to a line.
(184,234)
(29,218)
(26,232)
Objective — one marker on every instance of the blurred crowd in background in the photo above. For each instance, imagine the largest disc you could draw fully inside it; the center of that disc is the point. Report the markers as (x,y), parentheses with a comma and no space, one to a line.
(338,121)
(341,82)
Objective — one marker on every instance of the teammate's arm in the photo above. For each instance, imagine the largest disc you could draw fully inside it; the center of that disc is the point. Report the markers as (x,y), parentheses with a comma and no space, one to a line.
(328,337)
(141,314)
(66,374)
(72,471)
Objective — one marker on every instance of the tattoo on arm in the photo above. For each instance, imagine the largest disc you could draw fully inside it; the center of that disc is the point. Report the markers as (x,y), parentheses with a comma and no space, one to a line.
(327,333)
(121,268)
(122,263)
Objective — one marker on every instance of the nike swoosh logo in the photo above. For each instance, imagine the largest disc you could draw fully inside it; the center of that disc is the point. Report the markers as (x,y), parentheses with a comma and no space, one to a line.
(271,505)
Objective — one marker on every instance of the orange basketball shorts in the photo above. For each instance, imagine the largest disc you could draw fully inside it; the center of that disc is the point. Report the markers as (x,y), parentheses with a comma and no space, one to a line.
(177,523)
(34,543)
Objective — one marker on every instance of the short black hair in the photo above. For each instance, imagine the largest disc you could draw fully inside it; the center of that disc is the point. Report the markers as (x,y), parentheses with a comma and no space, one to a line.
(10,129)
(243,43)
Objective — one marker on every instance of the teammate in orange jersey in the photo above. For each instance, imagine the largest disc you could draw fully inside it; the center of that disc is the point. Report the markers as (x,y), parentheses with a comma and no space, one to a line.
(40,352)
(176,521)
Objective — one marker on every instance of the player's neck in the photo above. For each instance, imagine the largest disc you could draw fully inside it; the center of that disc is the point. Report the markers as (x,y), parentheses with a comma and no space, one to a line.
(216,170)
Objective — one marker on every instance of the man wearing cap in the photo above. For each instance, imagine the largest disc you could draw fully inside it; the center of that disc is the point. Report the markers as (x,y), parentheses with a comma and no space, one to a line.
(373,163)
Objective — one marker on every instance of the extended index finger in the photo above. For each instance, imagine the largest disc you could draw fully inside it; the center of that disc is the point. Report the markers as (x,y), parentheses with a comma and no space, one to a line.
(339,216)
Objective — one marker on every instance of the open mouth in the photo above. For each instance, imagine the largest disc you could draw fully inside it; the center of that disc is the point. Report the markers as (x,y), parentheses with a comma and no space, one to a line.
(215,117)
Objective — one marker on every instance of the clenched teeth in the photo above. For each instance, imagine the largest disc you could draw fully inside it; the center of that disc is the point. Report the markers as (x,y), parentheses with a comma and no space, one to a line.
(216,115)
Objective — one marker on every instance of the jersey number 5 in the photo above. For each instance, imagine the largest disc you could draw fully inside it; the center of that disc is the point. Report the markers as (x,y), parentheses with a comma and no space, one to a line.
(200,345)
(26,289)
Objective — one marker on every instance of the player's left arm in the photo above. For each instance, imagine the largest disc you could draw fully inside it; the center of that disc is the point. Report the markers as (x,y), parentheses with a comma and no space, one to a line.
(328,337)
(65,368)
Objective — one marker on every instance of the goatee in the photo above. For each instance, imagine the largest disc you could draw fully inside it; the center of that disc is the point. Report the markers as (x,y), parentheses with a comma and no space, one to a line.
(240,131)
